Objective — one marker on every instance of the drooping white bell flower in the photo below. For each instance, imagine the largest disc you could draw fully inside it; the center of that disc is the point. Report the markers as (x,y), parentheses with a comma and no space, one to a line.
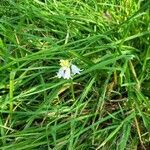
(64,72)
(75,69)
(67,69)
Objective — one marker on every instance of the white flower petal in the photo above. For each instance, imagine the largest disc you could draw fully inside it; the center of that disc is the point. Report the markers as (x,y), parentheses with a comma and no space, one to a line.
(60,73)
(64,72)
(75,69)
(67,74)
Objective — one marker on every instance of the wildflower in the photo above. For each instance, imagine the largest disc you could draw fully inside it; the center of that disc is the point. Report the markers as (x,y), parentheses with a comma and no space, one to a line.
(64,71)
(75,69)
(67,69)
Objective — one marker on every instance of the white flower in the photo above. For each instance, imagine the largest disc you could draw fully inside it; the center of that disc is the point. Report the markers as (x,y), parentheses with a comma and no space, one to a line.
(64,72)
(67,69)
(75,69)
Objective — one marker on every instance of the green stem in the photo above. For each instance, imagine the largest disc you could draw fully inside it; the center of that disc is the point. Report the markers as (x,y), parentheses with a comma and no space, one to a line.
(72,90)
(11,89)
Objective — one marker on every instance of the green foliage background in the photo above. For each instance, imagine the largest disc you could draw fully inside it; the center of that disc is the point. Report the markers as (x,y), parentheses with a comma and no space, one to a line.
(107,106)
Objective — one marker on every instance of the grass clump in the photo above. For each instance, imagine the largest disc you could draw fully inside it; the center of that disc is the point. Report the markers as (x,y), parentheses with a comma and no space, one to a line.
(107,106)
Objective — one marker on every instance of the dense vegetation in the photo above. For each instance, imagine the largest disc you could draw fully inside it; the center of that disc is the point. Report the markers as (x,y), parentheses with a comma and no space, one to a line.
(107,106)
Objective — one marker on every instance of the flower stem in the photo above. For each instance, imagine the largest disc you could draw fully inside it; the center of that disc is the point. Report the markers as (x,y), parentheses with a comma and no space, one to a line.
(72,90)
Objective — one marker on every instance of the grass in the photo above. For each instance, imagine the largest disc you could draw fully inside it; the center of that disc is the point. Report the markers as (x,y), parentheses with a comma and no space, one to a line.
(106,107)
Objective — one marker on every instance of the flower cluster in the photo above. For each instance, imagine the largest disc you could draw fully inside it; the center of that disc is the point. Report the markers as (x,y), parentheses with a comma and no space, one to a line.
(67,69)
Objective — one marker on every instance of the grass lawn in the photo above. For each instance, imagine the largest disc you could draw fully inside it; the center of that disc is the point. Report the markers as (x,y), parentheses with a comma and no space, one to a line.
(104,107)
